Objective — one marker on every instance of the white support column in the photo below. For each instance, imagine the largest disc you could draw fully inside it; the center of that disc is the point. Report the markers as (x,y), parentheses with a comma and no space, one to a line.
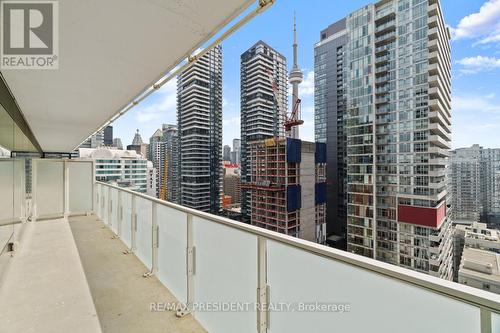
(66,188)
(34,212)
(190,268)
(154,241)
(262,287)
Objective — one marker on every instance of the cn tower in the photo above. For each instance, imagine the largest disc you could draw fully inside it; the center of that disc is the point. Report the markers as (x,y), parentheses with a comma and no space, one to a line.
(295,77)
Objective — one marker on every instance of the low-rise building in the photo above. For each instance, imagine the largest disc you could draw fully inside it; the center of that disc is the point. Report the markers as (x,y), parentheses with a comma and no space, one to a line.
(232,182)
(480,269)
(475,235)
(121,166)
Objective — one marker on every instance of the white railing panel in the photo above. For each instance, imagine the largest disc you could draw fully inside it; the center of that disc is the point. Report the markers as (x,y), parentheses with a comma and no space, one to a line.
(126,229)
(114,210)
(80,186)
(144,242)
(172,236)
(377,303)
(225,272)
(49,187)
(495,322)
(7,183)
(11,197)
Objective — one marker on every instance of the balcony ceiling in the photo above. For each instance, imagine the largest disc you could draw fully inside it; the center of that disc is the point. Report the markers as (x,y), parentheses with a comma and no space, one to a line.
(109,52)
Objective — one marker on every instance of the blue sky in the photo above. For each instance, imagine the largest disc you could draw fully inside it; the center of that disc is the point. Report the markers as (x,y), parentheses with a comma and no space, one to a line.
(475,26)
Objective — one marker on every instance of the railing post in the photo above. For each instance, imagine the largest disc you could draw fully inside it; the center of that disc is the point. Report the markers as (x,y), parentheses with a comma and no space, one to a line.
(119,214)
(154,240)
(190,268)
(133,224)
(485,320)
(262,287)
(66,188)
(110,208)
(95,200)
(24,202)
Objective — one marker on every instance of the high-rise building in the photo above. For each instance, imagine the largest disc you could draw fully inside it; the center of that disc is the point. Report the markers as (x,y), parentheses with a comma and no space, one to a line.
(157,156)
(236,152)
(94,141)
(466,183)
(137,140)
(260,114)
(236,144)
(287,177)
(171,146)
(491,187)
(476,184)
(139,146)
(330,75)
(117,142)
(226,154)
(108,136)
(199,118)
(164,153)
(398,135)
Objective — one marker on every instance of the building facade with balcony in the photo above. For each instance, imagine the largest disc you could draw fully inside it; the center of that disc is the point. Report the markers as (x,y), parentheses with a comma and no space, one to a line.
(399,135)
(199,121)
(476,184)
(260,114)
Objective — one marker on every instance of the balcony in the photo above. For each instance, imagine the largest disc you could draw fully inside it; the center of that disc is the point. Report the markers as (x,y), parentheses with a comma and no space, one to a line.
(385,38)
(206,261)
(84,256)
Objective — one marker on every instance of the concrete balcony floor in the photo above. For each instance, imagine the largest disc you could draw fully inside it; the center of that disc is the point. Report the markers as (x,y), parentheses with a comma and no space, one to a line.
(73,277)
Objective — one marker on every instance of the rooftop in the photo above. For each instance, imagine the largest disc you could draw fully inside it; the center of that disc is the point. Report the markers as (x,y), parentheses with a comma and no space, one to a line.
(481,264)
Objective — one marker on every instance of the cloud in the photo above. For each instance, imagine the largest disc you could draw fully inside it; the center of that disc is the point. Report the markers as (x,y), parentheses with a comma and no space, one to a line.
(231,122)
(476,120)
(478,63)
(162,101)
(484,24)
(306,88)
(475,104)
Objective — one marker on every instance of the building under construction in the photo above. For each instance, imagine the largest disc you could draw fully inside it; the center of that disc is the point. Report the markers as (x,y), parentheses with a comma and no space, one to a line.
(287,176)
(288,188)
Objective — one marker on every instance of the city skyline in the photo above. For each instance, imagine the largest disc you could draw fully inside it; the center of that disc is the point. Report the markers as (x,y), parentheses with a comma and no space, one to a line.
(475,60)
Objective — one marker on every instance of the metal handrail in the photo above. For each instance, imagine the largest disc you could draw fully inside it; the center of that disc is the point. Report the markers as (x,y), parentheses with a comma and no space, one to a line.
(473,296)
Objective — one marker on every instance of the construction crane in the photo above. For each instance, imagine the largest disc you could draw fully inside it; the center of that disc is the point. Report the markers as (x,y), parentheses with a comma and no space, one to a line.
(163,190)
(291,119)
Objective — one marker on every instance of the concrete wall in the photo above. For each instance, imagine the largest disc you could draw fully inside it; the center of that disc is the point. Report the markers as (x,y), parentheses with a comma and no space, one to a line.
(307,183)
